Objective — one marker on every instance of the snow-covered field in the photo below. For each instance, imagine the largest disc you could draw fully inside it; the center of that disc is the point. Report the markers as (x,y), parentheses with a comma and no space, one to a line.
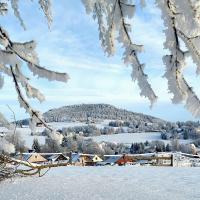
(60,125)
(128,137)
(107,183)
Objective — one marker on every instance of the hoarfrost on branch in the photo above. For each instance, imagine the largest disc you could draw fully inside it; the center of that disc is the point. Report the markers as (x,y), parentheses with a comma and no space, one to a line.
(15,54)
(182,21)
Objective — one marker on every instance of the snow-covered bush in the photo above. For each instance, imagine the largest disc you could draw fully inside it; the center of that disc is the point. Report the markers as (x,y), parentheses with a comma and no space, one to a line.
(6,147)
(16,139)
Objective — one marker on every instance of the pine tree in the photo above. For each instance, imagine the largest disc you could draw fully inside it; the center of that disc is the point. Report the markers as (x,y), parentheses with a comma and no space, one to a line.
(132,148)
(36,146)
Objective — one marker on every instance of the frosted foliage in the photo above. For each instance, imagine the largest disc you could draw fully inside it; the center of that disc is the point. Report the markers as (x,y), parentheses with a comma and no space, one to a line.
(6,147)
(3,8)
(46,7)
(56,137)
(44,4)
(112,17)
(9,58)
(181,19)
(45,73)
(14,4)
(4,122)
(15,54)
(27,50)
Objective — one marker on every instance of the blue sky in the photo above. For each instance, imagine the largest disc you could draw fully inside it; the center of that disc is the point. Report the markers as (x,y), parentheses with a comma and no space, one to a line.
(73,46)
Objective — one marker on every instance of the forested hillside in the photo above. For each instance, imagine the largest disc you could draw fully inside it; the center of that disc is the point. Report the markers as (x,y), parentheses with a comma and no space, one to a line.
(85,112)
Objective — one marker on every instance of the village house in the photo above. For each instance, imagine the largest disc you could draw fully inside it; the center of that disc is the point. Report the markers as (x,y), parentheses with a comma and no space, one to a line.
(164,159)
(55,157)
(32,158)
(43,157)
(110,160)
(58,158)
(76,160)
(90,159)
(126,160)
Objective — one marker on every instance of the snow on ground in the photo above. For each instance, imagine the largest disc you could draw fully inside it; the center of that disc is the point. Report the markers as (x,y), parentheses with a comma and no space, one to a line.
(116,138)
(60,125)
(130,138)
(127,137)
(28,138)
(107,183)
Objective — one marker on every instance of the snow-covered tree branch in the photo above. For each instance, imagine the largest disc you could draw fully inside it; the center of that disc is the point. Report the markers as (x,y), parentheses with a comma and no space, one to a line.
(114,20)
(181,19)
(13,56)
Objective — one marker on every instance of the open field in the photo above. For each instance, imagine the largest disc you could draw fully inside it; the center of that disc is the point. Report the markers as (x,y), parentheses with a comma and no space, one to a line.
(129,138)
(107,183)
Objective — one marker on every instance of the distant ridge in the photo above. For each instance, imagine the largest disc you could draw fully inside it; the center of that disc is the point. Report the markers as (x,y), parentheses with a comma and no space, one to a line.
(82,112)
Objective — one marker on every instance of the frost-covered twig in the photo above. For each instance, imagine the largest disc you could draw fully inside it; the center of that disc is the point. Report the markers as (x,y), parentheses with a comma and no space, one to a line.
(182,22)
(111,18)
(14,54)
(175,63)
(35,115)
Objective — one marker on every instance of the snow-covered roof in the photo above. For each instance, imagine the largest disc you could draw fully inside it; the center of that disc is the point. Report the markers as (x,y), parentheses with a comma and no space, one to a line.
(75,157)
(112,159)
(25,157)
(56,156)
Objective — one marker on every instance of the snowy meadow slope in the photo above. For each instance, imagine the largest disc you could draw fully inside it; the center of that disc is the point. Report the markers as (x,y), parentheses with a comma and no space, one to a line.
(129,138)
(108,183)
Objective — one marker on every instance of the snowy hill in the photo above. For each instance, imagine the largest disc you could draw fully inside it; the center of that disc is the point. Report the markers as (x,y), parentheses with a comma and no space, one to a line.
(96,112)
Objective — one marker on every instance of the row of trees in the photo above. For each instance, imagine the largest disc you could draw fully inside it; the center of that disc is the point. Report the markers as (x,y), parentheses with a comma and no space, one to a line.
(159,146)
(80,144)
